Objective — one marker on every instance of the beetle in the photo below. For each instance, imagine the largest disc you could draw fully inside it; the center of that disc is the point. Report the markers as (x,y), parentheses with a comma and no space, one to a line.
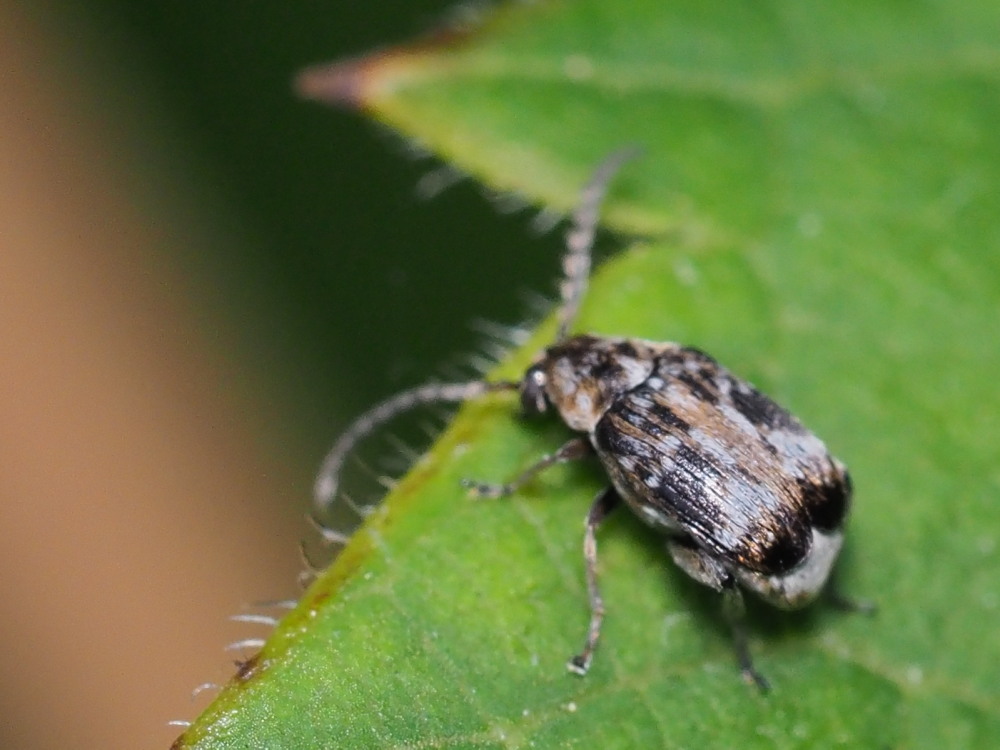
(746,496)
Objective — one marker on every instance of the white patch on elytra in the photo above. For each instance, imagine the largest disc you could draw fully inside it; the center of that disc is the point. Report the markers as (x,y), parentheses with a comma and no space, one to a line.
(800,585)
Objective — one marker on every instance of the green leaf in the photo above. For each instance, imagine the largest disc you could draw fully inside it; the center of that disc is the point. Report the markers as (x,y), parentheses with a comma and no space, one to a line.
(820,194)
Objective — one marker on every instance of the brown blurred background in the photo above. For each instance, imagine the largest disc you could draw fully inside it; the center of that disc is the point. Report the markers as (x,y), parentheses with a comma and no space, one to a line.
(145,486)
(200,280)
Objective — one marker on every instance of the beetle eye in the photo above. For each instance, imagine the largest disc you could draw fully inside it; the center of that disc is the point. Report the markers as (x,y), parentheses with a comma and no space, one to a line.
(533,397)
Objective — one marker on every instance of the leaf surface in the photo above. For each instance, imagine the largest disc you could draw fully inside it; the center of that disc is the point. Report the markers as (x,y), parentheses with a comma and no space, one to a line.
(820,205)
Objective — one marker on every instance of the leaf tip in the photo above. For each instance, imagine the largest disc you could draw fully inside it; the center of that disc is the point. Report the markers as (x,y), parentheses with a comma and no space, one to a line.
(354,82)
(338,83)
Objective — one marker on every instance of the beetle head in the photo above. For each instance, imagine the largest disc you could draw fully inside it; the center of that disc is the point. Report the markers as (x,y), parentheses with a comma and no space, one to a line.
(582,375)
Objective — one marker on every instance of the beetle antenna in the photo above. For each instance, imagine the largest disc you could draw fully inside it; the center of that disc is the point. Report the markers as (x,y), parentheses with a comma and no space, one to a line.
(325,487)
(580,237)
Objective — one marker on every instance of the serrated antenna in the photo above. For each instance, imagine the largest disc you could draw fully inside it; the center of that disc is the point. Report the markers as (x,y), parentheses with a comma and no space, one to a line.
(326,484)
(580,237)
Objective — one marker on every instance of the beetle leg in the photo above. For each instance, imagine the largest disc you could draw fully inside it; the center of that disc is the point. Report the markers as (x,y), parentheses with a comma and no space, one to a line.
(605,502)
(733,609)
(845,603)
(569,451)
(711,572)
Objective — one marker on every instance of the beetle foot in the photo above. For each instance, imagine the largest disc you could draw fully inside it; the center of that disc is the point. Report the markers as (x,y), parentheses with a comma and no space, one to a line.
(579,664)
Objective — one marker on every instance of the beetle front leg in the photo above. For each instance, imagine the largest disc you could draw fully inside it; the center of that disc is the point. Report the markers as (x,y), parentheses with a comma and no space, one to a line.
(606,502)
(571,450)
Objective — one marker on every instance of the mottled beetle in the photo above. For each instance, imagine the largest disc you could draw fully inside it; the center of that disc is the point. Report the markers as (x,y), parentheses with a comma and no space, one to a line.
(746,496)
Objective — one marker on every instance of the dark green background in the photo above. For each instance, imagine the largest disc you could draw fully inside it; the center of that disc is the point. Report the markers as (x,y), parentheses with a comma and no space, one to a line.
(349,286)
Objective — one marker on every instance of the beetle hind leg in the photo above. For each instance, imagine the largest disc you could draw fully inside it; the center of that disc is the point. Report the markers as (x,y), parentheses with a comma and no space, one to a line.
(706,570)
(733,609)
(847,603)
